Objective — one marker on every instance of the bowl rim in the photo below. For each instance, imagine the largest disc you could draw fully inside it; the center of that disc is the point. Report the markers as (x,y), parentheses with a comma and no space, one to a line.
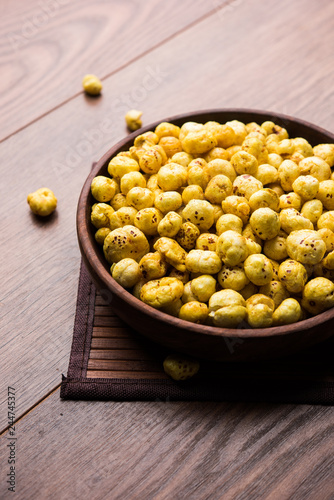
(88,245)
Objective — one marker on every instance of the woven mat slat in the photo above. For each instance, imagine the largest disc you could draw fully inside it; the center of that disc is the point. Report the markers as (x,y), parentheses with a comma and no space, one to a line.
(110,361)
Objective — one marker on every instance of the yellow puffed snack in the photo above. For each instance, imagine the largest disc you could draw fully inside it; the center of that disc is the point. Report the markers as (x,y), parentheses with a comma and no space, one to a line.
(168,201)
(229,316)
(131,180)
(249,290)
(103,188)
(290,200)
(328,236)
(171,145)
(252,246)
(264,198)
(203,287)
(170,225)
(126,272)
(43,202)
(276,247)
(318,295)
(246,185)
(231,248)
(306,186)
(207,241)
(124,216)
(292,220)
(317,167)
(172,176)
(147,220)
(266,173)
(289,311)
(189,127)
(276,291)
(225,298)
(199,142)
(274,160)
(162,292)
(180,367)
(237,205)
(101,234)
(140,198)
(260,298)
(101,215)
(197,176)
(92,85)
(133,119)
(182,158)
(293,275)
(216,154)
(125,242)
(325,152)
(239,130)
(152,266)
(248,232)
(305,246)
(258,269)
(193,192)
(302,146)
(167,129)
(233,278)
(259,316)
(288,171)
(194,311)
(118,201)
(148,138)
(200,213)
(150,160)
(219,166)
(172,252)
(223,133)
(203,261)
(328,261)
(265,223)
(244,163)
(121,165)
(312,209)
(326,220)
(229,222)
(326,194)
(218,188)
(188,235)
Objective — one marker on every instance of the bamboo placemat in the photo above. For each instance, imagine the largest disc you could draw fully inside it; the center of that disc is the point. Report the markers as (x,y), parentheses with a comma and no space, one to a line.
(110,361)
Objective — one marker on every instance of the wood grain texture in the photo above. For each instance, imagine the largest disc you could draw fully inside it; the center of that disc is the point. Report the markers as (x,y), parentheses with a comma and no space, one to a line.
(46,47)
(242,63)
(164,450)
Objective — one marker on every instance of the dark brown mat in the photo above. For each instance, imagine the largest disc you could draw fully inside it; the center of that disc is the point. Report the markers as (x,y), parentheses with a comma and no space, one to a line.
(110,361)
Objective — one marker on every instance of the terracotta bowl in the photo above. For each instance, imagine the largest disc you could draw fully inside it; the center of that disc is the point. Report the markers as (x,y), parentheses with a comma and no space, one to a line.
(242,344)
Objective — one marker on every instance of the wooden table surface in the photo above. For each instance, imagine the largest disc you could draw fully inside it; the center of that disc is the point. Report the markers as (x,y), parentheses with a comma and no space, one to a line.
(164,58)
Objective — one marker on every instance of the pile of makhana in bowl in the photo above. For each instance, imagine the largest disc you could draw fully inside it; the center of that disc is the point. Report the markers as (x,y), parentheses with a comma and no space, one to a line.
(223,224)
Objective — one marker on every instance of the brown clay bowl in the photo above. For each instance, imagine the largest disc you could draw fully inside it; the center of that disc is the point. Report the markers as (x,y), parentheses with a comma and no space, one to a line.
(242,344)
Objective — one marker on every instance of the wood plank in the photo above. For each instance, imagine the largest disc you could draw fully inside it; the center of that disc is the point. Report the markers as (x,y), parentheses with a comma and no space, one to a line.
(176,450)
(109,322)
(107,343)
(131,374)
(47,47)
(125,365)
(104,331)
(128,354)
(242,63)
